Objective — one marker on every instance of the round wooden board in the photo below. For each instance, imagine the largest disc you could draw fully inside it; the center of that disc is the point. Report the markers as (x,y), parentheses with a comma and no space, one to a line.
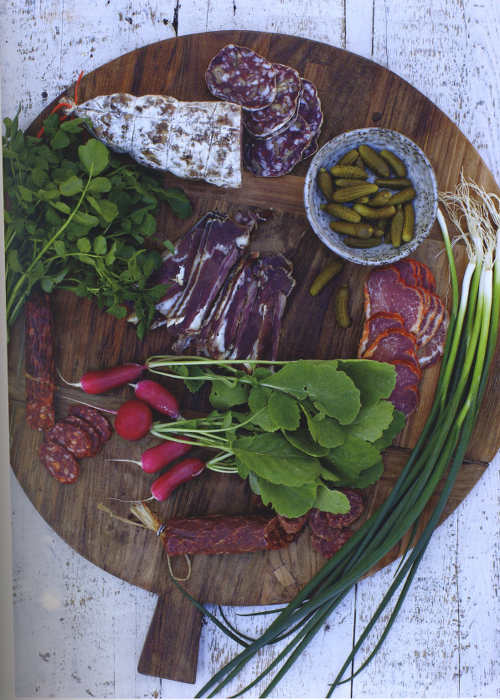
(355,93)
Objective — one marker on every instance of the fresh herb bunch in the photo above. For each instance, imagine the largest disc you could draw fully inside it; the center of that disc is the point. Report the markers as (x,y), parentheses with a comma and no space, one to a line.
(77,217)
(297,433)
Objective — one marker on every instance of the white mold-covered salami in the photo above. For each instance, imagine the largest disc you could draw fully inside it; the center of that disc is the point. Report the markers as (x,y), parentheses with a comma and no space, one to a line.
(310,106)
(194,140)
(263,122)
(279,153)
(238,74)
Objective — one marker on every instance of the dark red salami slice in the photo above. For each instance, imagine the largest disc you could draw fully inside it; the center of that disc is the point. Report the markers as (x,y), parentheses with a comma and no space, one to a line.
(39,362)
(59,462)
(74,439)
(322,523)
(310,106)
(328,547)
(99,422)
(385,290)
(292,526)
(312,148)
(377,324)
(396,344)
(238,74)
(405,399)
(94,436)
(279,153)
(263,122)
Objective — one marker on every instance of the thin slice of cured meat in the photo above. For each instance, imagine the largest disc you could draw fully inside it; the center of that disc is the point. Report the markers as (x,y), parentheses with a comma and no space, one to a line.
(385,290)
(59,462)
(376,324)
(279,153)
(39,362)
(312,148)
(322,523)
(310,106)
(434,315)
(405,399)
(264,122)
(292,526)
(328,547)
(429,353)
(426,278)
(94,436)
(238,74)
(408,271)
(408,373)
(395,344)
(95,419)
(73,438)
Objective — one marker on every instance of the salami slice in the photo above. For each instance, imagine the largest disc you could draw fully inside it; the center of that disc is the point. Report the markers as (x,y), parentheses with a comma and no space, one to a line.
(328,547)
(263,122)
(385,290)
(74,439)
(310,106)
(59,462)
(279,153)
(322,523)
(405,399)
(312,148)
(238,74)
(99,422)
(95,438)
(395,344)
(39,362)
(376,324)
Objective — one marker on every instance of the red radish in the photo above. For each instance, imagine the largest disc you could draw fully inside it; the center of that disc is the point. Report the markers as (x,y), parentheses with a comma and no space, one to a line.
(158,397)
(133,420)
(100,380)
(179,474)
(155,458)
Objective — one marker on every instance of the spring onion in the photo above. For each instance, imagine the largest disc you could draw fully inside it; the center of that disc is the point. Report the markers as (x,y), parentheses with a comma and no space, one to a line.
(439,452)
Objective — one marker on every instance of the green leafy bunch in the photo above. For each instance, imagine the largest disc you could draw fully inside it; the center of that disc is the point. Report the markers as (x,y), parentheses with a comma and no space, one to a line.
(298,433)
(77,216)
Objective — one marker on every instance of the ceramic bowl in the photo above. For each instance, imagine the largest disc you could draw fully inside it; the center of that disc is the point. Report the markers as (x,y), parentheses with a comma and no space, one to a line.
(419,171)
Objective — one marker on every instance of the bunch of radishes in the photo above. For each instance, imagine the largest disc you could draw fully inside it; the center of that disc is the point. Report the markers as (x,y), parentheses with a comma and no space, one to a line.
(133,421)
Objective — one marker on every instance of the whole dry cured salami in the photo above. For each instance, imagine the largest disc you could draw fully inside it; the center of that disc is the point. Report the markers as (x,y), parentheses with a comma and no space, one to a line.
(59,462)
(39,362)
(263,122)
(74,439)
(238,74)
(95,419)
(279,153)
(94,436)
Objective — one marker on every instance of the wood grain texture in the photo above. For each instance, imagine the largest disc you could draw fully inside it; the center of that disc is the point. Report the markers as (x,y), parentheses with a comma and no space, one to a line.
(88,643)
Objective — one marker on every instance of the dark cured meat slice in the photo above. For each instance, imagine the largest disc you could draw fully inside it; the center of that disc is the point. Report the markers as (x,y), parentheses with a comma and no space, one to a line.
(59,462)
(408,271)
(312,148)
(292,526)
(434,316)
(327,548)
(391,345)
(74,439)
(238,74)
(224,534)
(405,399)
(310,106)
(376,324)
(431,351)
(39,362)
(264,122)
(385,290)
(95,419)
(279,153)
(322,523)
(249,217)
(94,436)
(408,373)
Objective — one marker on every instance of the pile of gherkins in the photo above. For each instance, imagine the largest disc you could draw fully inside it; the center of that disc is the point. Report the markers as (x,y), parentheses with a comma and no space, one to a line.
(369,213)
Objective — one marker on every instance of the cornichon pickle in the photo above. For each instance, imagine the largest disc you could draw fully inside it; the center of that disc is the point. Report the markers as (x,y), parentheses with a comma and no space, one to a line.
(345,182)
(394,183)
(375,212)
(380,198)
(349,171)
(350,158)
(372,159)
(360,230)
(342,307)
(325,182)
(344,213)
(408,222)
(361,243)
(397,227)
(396,163)
(348,194)
(403,196)
(327,273)
(379,231)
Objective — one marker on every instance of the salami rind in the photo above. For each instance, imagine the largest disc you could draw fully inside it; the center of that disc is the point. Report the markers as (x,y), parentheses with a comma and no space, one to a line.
(95,438)
(95,419)
(39,362)
(74,439)
(279,153)
(59,462)
(263,122)
(238,74)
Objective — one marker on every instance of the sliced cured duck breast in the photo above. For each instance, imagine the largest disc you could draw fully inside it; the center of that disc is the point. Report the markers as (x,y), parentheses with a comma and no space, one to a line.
(405,399)
(385,290)
(415,273)
(395,344)
(429,353)
(435,315)
(408,372)
(376,324)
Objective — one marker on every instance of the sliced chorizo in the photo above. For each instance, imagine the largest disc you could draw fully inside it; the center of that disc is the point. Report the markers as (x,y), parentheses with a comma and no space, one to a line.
(73,438)
(95,438)
(99,422)
(59,462)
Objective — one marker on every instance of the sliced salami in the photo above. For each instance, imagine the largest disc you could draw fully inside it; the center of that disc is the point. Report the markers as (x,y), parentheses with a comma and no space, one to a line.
(238,74)
(385,290)
(312,148)
(73,438)
(279,153)
(328,547)
(405,399)
(59,462)
(322,523)
(94,436)
(310,106)
(377,324)
(263,122)
(97,421)
(396,344)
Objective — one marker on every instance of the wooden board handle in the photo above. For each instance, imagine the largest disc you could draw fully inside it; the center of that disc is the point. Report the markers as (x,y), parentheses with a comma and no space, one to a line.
(171,646)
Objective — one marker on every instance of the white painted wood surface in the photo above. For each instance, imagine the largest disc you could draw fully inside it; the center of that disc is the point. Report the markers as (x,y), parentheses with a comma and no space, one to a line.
(79,631)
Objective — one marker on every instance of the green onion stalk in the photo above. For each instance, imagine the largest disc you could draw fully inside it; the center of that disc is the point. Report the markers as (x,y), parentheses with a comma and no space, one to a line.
(437,457)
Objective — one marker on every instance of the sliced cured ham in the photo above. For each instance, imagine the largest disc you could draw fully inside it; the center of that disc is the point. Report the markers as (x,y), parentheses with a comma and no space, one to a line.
(429,353)
(394,344)
(385,290)
(405,399)
(376,324)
